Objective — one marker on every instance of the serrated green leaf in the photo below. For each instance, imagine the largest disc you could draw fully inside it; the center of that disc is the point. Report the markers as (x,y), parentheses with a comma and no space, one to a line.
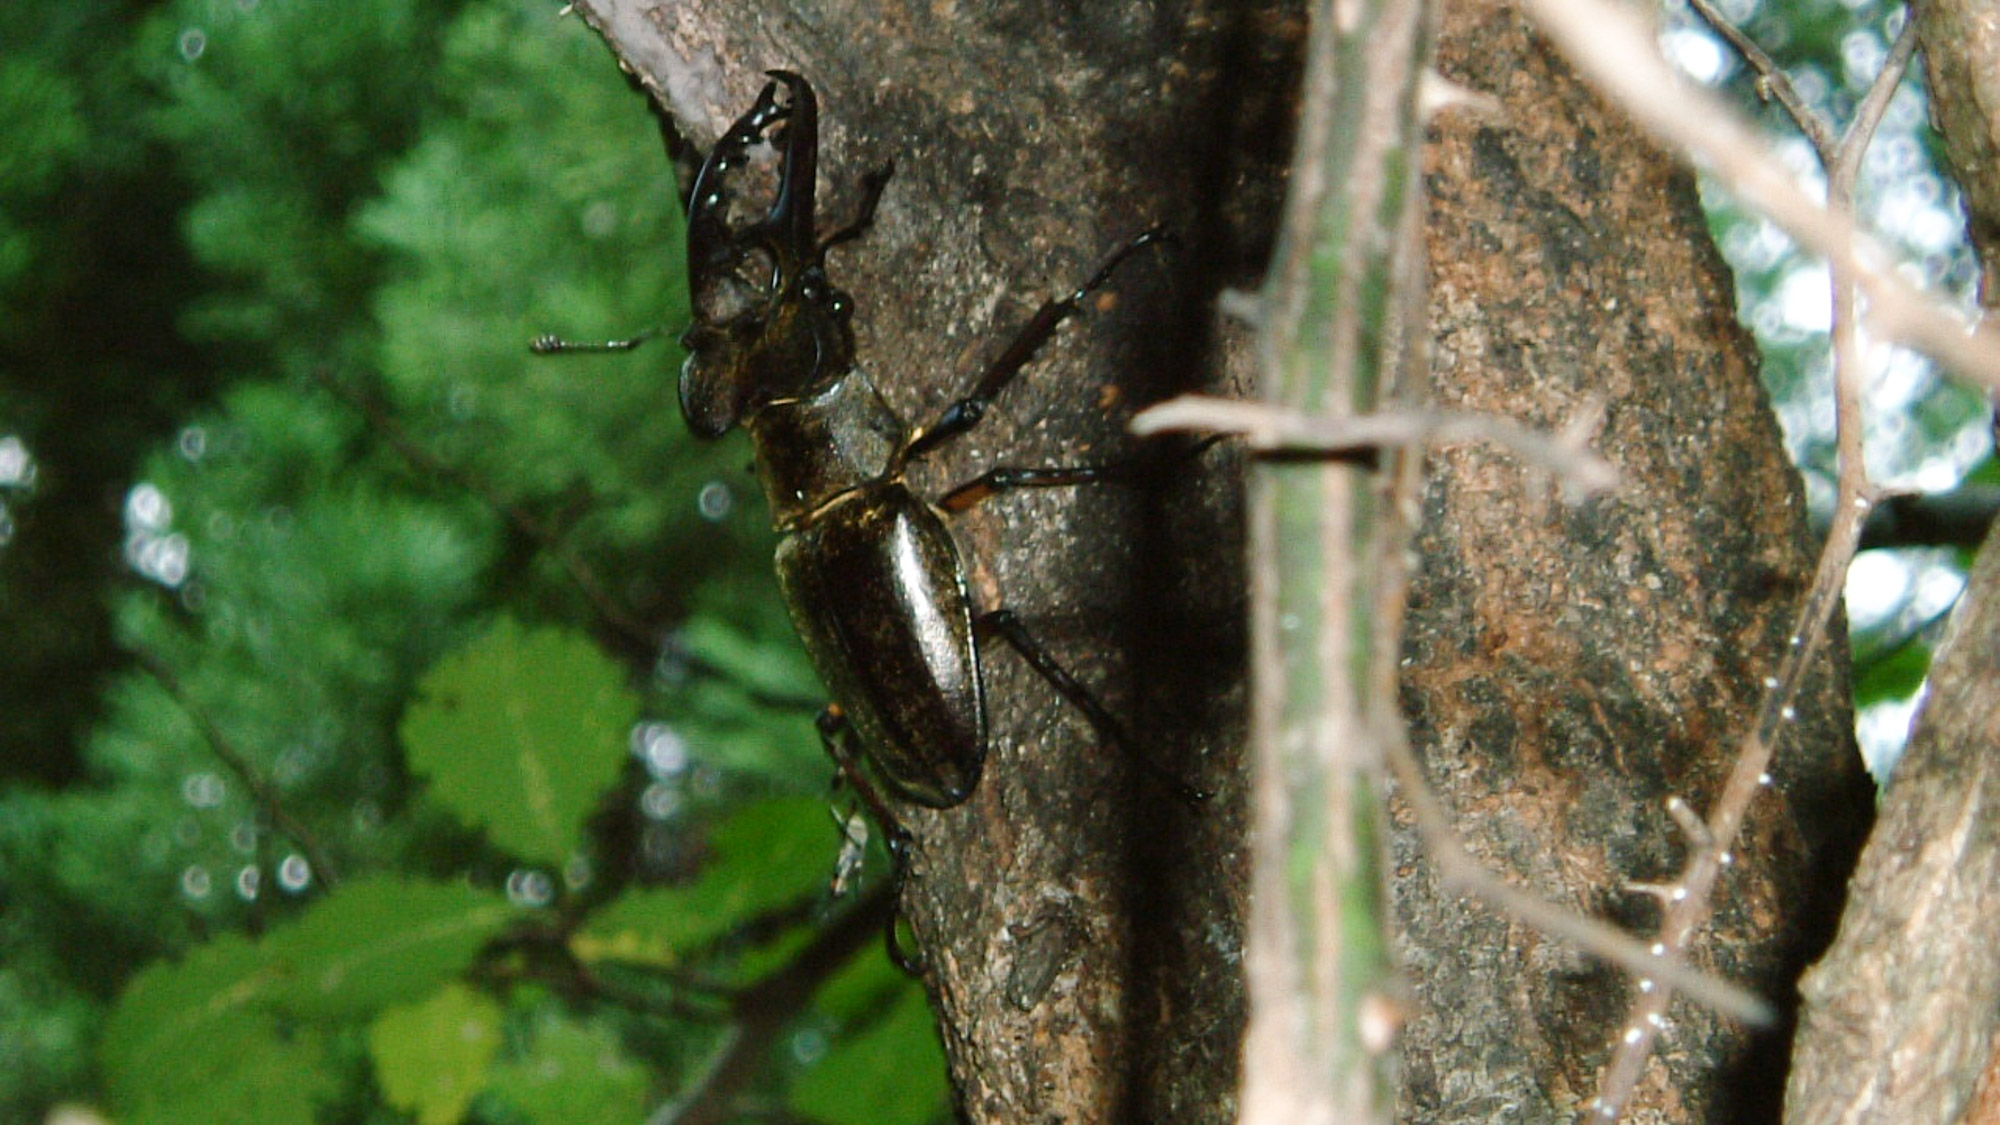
(380,942)
(891,1073)
(432,1056)
(200,1039)
(520,733)
(573,1073)
(194,1040)
(765,856)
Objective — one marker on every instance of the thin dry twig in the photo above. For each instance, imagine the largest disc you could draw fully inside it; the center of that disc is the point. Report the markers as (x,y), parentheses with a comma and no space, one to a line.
(1613,47)
(1772,81)
(1688,901)
(1460,870)
(1267,427)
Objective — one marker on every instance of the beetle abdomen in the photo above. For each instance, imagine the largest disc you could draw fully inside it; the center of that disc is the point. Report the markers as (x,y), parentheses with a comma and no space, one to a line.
(878,595)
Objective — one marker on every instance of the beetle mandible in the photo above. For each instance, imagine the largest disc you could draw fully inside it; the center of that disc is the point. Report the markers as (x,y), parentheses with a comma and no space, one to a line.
(874,580)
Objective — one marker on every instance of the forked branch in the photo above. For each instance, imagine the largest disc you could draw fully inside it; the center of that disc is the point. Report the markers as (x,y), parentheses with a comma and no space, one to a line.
(1626,66)
(1615,50)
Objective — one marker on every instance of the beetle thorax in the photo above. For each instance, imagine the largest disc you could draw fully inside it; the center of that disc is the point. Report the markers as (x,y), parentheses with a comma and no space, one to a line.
(810,450)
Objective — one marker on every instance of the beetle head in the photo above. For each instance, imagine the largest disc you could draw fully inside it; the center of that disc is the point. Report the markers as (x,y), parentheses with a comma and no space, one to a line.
(768,324)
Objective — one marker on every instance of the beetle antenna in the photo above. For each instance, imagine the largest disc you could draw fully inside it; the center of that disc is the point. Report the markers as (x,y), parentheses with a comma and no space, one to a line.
(556,345)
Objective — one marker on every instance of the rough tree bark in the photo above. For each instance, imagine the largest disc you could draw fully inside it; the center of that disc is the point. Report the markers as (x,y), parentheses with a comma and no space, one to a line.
(1568,668)
(1079,925)
(1961,45)
(1902,1018)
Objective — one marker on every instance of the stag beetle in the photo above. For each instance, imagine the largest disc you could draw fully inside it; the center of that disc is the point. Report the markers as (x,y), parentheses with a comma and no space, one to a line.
(873,578)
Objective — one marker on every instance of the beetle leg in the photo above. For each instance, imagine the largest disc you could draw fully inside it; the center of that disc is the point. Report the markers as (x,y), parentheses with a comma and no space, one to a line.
(864,216)
(837,736)
(964,414)
(980,488)
(1009,628)
(899,956)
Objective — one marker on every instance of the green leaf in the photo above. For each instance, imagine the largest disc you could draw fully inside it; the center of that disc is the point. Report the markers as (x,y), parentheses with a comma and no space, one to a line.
(269,1076)
(373,944)
(431,1057)
(1896,673)
(520,733)
(861,991)
(752,662)
(1987,471)
(194,1040)
(173,1007)
(765,856)
(892,1073)
(201,1039)
(574,1073)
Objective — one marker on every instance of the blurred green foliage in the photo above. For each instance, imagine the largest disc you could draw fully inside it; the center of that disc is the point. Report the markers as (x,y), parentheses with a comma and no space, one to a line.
(458,766)
(400,728)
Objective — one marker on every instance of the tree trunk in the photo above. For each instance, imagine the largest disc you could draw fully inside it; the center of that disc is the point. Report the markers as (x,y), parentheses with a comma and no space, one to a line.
(1078,923)
(1568,668)
(1902,1018)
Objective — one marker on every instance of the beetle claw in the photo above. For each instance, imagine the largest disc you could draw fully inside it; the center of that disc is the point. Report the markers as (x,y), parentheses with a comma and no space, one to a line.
(768,323)
(786,231)
(790,223)
(710,242)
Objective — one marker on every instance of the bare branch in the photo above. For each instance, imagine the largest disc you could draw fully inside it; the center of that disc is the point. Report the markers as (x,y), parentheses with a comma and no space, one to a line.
(1772,81)
(1265,428)
(261,790)
(1689,901)
(1613,47)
